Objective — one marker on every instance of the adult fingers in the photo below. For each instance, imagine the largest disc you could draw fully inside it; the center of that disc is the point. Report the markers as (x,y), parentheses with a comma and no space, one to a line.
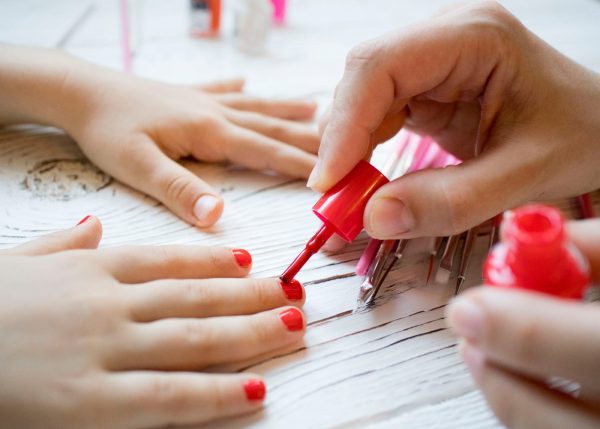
(285,109)
(523,403)
(456,197)
(389,127)
(176,187)
(382,75)
(162,299)
(260,152)
(137,264)
(161,399)
(452,125)
(530,333)
(85,235)
(300,135)
(222,86)
(586,236)
(324,120)
(176,344)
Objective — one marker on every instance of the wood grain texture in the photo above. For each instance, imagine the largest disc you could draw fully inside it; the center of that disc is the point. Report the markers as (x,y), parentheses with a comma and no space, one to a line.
(393,366)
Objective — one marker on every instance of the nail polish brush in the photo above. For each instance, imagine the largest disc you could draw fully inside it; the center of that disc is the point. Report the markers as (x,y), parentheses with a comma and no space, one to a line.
(341,210)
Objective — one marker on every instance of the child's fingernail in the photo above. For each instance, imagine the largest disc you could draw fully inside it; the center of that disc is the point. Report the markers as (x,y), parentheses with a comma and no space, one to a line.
(255,390)
(292,289)
(388,217)
(204,208)
(473,357)
(83,220)
(242,257)
(292,319)
(465,316)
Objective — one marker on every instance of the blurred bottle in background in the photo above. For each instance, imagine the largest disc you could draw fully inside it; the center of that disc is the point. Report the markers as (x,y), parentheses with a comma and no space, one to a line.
(205,18)
(252,25)
(278,11)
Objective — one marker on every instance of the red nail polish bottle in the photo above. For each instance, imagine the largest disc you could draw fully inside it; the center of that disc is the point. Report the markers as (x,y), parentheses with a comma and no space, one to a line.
(535,254)
(341,210)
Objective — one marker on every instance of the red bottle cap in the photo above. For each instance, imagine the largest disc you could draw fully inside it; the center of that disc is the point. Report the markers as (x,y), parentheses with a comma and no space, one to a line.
(535,254)
(534,231)
(342,207)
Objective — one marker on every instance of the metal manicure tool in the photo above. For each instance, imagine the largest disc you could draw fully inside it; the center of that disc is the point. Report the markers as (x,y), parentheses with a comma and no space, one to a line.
(455,252)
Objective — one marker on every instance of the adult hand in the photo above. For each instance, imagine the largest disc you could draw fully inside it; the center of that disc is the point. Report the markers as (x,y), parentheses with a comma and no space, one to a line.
(515,342)
(117,338)
(477,81)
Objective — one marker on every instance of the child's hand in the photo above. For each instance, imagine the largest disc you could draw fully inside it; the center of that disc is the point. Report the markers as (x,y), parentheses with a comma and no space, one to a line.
(514,342)
(137,129)
(115,338)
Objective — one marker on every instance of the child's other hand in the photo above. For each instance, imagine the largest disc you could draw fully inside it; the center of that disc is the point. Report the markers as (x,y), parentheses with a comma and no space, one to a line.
(515,342)
(137,129)
(115,338)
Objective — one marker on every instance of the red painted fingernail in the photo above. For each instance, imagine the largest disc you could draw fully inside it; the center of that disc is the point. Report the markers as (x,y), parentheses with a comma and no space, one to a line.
(84,219)
(242,257)
(255,390)
(292,289)
(292,318)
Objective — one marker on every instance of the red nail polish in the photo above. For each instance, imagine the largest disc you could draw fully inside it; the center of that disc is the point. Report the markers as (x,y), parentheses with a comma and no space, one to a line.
(242,257)
(292,318)
(84,219)
(292,289)
(255,390)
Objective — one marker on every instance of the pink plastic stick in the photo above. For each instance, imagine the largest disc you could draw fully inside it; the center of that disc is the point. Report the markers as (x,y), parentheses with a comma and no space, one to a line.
(423,147)
(430,153)
(441,160)
(370,251)
(444,159)
(367,257)
(278,11)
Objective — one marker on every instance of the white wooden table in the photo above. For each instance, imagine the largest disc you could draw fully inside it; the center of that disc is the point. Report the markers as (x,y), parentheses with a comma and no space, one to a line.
(393,366)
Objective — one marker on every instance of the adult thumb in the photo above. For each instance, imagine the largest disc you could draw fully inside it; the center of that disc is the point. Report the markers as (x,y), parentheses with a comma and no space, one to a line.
(447,201)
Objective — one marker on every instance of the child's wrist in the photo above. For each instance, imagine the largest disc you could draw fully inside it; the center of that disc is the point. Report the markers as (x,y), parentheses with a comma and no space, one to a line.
(32,86)
(47,87)
(74,92)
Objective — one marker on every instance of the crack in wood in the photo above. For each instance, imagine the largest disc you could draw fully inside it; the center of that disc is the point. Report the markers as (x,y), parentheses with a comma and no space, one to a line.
(266,189)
